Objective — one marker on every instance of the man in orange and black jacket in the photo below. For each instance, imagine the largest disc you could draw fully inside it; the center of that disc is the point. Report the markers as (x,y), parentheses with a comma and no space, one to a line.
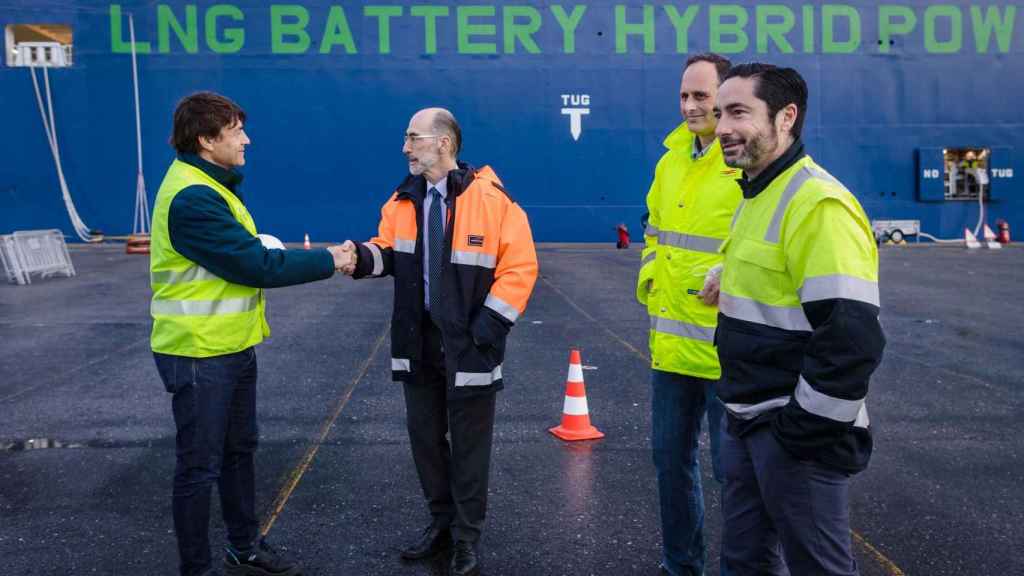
(462,256)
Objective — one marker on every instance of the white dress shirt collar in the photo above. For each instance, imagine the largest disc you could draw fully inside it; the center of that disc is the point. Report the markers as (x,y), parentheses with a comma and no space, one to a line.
(442,186)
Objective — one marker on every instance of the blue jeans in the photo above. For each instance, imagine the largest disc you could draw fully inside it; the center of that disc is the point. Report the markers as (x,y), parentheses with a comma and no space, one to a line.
(214,407)
(678,404)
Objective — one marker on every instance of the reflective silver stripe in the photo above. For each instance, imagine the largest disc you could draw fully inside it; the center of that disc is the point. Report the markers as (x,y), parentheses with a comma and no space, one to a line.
(751,311)
(405,246)
(478,378)
(401,364)
(839,286)
(474,259)
(649,258)
(690,242)
(838,409)
(203,307)
(501,307)
(736,214)
(651,230)
(378,259)
(862,420)
(677,328)
(751,411)
(772,235)
(192,274)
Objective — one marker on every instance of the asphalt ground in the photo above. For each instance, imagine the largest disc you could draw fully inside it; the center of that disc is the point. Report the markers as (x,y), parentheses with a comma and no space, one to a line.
(336,486)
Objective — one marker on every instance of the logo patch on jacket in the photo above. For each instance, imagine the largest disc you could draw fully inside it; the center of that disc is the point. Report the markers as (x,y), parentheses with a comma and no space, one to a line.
(475,240)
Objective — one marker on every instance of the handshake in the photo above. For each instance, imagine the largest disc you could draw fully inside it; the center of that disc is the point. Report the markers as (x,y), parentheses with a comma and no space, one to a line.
(345,257)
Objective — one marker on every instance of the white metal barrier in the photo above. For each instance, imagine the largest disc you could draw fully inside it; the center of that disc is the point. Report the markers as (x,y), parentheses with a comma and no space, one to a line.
(30,252)
(9,256)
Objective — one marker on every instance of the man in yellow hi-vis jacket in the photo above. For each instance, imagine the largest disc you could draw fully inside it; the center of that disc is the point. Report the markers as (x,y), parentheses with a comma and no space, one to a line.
(798,338)
(691,203)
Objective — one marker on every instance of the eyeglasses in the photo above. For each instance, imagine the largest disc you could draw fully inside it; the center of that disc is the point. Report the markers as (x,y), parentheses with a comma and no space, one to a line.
(414,137)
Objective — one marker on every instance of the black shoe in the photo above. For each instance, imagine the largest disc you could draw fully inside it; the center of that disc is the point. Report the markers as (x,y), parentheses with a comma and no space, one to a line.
(435,539)
(261,560)
(464,561)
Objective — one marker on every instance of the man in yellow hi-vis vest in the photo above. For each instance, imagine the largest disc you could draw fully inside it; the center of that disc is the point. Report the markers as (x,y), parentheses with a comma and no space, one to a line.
(798,338)
(691,203)
(208,270)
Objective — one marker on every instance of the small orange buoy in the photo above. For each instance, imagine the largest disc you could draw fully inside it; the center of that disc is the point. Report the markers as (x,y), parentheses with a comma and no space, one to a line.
(137,244)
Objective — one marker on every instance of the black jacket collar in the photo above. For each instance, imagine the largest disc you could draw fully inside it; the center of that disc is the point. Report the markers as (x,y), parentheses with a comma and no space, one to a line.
(754,187)
(415,187)
(226,178)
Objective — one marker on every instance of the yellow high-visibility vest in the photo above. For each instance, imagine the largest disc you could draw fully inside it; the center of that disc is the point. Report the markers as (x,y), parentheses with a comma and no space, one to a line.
(196,313)
(691,204)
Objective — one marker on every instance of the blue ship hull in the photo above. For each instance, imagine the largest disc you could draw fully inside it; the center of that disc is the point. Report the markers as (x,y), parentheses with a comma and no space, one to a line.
(329,87)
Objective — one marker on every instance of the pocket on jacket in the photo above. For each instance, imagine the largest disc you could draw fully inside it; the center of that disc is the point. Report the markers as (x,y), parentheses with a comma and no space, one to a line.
(177,372)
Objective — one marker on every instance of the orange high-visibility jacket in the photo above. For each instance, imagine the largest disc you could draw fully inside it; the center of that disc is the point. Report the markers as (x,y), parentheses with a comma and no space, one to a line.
(489,267)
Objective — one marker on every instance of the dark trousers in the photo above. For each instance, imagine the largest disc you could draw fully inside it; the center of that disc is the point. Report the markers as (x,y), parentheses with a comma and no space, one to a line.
(782,515)
(214,406)
(453,475)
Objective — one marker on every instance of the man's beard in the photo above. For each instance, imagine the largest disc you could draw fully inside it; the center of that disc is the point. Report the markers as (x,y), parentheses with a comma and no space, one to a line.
(754,150)
(422,165)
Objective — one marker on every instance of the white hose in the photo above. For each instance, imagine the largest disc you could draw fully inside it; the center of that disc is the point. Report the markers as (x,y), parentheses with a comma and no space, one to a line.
(981,208)
(140,224)
(50,126)
(941,240)
(977,227)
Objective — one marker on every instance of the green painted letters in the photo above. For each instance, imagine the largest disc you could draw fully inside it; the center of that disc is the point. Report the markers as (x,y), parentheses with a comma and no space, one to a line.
(682,25)
(384,14)
(718,29)
(234,38)
(624,29)
(776,31)
(337,31)
(466,29)
(956,29)
(829,44)
(887,28)
(568,22)
(187,35)
(430,14)
(521,32)
(280,30)
(118,43)
(983,27)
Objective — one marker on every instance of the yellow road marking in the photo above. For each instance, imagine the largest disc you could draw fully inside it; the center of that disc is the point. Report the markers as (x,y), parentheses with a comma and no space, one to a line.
(882,559)
(296,475)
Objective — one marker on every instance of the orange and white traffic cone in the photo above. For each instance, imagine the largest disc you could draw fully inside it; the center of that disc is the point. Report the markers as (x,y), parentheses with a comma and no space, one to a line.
(575,414)
(305,243)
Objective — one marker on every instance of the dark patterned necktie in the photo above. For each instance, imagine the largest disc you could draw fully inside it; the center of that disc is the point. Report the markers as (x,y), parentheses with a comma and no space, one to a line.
(436,248)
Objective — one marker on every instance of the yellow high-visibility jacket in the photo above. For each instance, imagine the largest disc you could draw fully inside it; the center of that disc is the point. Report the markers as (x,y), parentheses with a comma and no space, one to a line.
(691,204)
(798,334)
